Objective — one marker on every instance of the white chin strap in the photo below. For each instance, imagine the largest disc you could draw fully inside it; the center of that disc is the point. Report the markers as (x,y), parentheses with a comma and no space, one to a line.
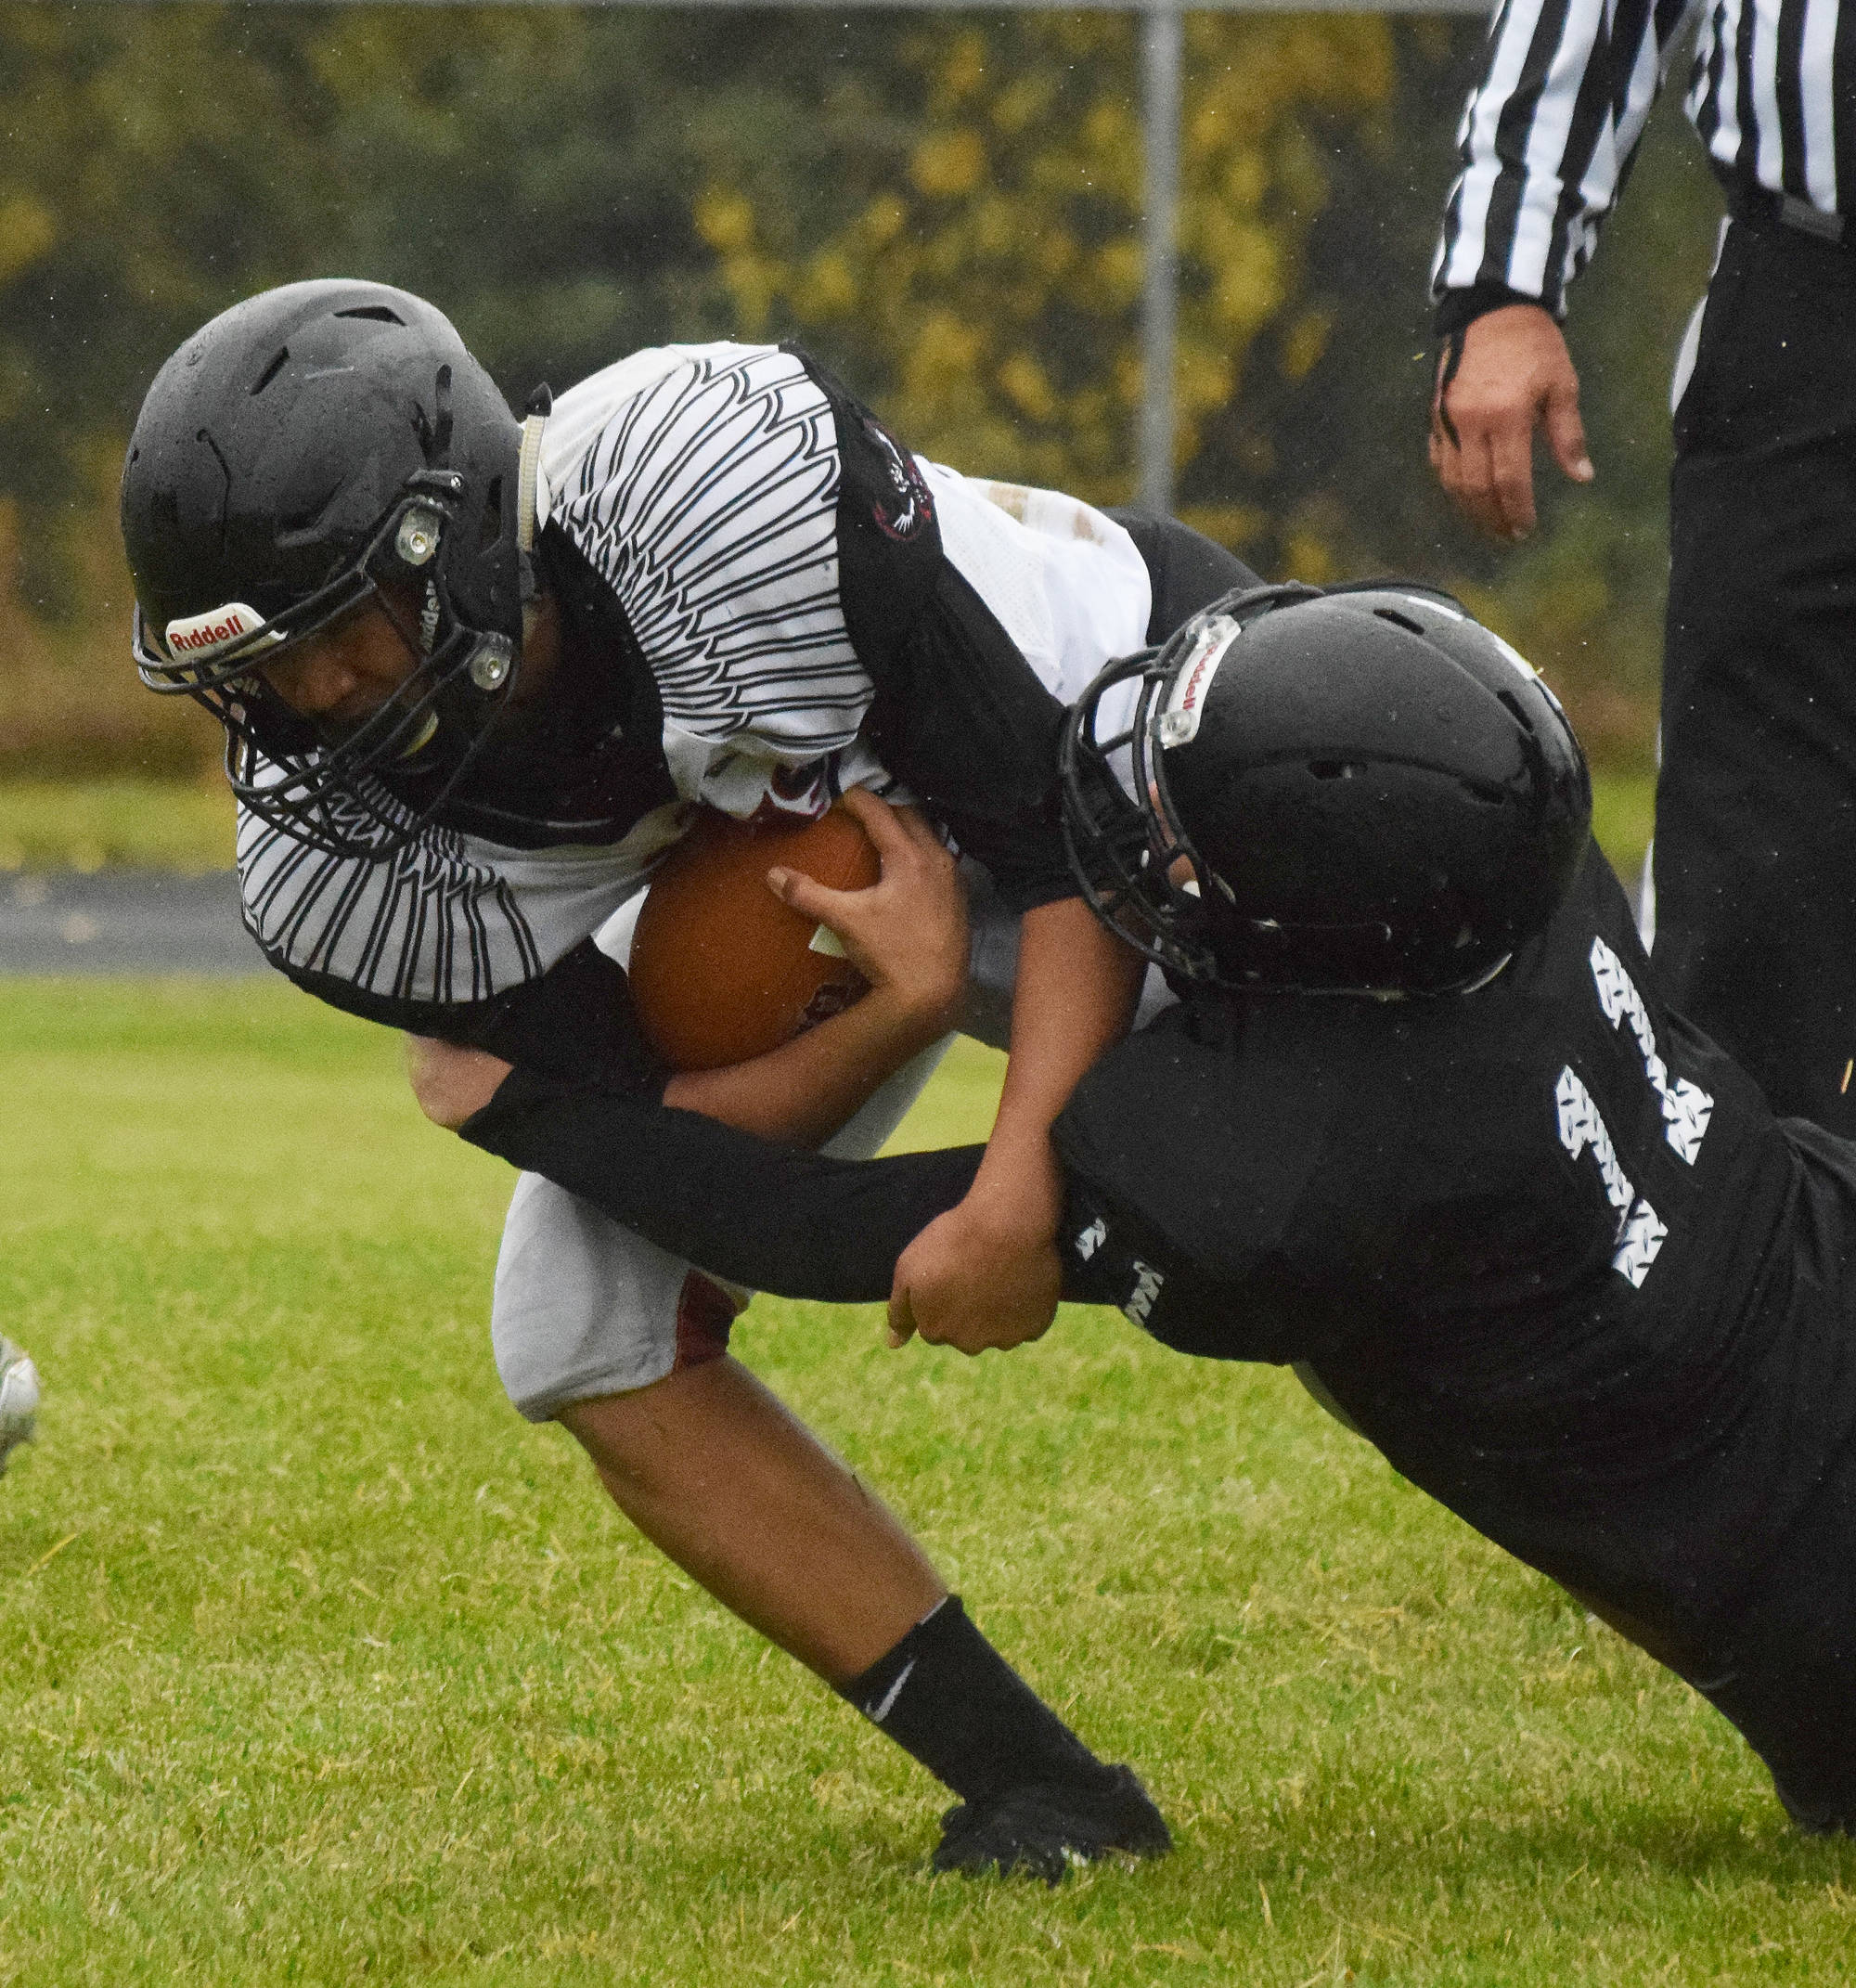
(528,471)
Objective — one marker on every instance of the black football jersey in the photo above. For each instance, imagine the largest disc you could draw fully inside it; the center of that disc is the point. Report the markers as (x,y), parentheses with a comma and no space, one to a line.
(1545,1243)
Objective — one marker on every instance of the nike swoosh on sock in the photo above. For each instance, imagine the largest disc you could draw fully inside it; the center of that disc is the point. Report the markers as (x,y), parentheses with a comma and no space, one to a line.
(880,1711)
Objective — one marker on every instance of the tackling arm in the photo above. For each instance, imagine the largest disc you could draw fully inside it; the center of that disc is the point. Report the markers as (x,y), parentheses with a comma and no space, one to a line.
(906,935)
(758,1214)
(801,1225)
(986,1274)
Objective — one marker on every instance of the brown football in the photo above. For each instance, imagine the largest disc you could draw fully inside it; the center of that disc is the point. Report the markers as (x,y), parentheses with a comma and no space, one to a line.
(721,970)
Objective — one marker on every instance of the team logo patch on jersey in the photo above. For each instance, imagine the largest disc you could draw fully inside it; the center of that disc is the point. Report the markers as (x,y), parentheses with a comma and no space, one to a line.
(197,637)
(911,510)
(800,792)
(1186,703)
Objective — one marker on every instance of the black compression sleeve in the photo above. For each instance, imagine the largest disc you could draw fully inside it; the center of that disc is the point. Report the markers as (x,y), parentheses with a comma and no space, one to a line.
(756,1214)
(574,1022)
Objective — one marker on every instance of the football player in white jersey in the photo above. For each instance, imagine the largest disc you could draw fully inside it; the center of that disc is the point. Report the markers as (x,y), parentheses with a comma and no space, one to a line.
(475,673)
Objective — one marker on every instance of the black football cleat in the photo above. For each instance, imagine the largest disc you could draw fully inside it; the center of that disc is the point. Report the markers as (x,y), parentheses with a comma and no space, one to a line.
(1042,1827)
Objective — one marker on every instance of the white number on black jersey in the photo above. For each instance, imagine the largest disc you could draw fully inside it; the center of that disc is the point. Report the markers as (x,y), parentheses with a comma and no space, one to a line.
(1686,1109)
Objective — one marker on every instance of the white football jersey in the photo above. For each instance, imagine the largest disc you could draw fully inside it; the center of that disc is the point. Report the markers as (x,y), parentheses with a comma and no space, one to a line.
(703,485)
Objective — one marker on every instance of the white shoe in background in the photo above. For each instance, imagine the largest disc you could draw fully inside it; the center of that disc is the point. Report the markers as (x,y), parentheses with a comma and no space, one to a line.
(19,1398)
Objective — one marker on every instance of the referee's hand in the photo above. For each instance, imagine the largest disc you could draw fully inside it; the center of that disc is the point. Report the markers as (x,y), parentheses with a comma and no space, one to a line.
(1515,375)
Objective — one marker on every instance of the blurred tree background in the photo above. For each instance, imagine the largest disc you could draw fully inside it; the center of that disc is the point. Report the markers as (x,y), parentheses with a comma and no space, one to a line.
(944,206)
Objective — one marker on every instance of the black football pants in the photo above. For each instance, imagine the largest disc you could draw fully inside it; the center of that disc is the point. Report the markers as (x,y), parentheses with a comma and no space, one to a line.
(1756,805)
(1789,1683)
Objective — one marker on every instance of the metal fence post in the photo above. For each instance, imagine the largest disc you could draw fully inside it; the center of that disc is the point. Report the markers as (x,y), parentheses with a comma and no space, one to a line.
(1161,35)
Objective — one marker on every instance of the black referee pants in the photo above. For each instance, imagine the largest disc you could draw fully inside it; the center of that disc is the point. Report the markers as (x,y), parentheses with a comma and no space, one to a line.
(1756,805)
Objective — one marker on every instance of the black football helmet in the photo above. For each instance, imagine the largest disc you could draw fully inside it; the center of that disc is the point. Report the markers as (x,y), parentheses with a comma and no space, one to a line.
(1353,791)
(297,451)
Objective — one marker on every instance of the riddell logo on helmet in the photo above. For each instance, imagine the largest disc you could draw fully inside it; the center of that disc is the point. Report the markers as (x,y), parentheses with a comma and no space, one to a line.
(202,635)
(1185,706)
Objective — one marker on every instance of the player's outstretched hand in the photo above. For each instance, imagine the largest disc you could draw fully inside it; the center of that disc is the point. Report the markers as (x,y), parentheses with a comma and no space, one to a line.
(975,1279)
(1515,374)
(906,935)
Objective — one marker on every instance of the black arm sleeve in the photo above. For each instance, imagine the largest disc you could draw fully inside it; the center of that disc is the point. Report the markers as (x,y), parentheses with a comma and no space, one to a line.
(757,1214)
(575,1023)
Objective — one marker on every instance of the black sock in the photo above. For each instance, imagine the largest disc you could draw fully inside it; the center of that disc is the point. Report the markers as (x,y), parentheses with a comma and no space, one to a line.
(945,1696)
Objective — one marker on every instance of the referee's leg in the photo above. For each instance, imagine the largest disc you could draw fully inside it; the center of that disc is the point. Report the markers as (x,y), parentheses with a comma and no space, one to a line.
(1756,805)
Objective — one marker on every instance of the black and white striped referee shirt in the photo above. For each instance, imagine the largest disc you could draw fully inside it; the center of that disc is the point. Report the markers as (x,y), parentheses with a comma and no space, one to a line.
(1547,137)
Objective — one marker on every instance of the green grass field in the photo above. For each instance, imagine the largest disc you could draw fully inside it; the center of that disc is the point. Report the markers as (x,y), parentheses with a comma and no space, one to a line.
(322,1667)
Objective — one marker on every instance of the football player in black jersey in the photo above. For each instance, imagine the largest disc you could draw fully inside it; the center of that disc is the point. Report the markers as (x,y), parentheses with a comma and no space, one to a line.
(1421,1125)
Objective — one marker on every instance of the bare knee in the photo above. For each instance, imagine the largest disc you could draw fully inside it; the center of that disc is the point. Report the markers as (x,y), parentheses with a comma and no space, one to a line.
(633,1438)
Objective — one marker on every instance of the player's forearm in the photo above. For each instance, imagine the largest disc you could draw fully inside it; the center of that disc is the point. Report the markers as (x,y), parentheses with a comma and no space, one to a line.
(1076,989)
(800,1093)
(793,1223)
(908,935)
(754,1213)
(807,1089)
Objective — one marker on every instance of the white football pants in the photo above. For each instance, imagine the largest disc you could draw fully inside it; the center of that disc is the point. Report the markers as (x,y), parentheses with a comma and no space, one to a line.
(585,1307)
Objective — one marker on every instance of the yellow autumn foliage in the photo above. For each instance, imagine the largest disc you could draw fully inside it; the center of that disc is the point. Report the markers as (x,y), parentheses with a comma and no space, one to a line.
(992,289)
(27,231)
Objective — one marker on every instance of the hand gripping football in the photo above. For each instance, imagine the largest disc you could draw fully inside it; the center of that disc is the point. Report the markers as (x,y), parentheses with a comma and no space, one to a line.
(722,971)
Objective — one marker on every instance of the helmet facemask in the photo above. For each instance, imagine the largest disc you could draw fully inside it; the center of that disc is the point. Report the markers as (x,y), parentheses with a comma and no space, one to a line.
(364,791)
(1134,864)
(1132,856)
